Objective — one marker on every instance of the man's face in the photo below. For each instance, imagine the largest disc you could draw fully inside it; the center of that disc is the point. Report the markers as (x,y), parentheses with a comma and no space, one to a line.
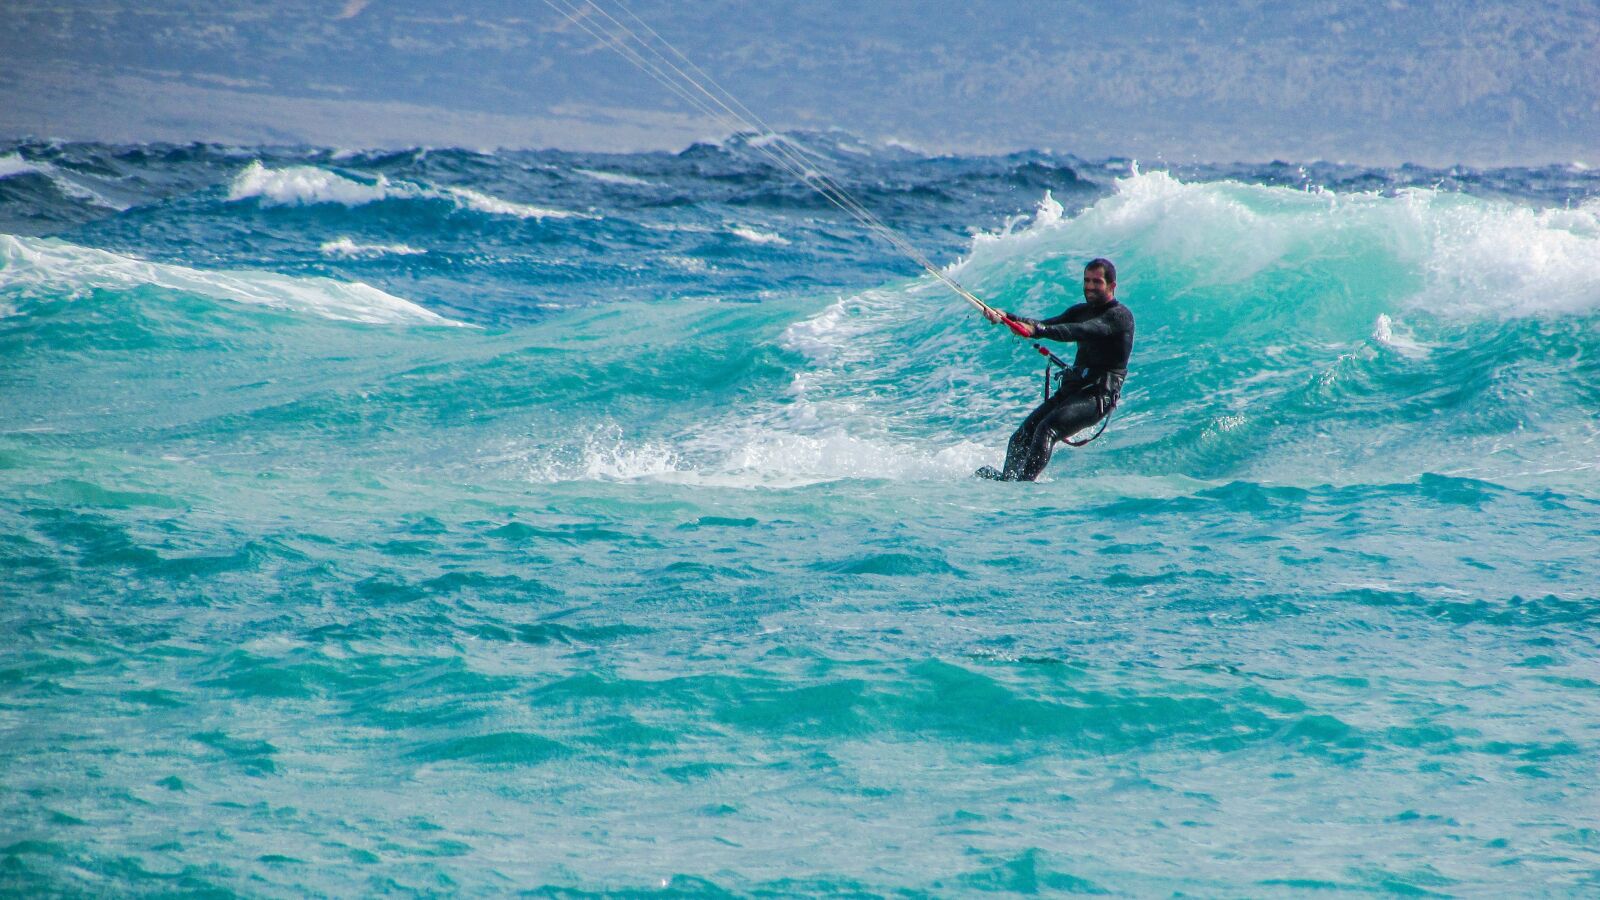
(1095,287)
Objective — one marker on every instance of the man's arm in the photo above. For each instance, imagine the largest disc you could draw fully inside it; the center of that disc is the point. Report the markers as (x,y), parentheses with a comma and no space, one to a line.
(1110,323)
(1020,325)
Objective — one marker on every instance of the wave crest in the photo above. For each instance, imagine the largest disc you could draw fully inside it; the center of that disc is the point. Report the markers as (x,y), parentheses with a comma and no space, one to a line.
(13,165)
(309,185)
(34,262)
(1442,252)
(347,248)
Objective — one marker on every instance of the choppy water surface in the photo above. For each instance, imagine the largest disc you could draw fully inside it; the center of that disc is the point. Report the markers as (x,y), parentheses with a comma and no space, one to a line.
(448,522)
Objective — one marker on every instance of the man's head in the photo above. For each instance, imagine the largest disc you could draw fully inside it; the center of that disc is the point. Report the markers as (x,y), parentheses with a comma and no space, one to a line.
(1099,281)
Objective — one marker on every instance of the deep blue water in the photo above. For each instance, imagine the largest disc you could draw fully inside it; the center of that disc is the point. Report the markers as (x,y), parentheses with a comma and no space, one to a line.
(442,522)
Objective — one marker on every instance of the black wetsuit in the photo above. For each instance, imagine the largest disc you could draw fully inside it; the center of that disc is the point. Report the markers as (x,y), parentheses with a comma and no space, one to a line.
(1104,335)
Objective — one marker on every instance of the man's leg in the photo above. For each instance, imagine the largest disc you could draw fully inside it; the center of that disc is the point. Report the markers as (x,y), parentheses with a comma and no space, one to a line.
(1078,412)
(1024,441)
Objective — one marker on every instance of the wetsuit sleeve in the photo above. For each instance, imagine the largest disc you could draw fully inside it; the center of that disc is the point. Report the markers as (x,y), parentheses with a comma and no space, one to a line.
(1075,313)
(1110,323)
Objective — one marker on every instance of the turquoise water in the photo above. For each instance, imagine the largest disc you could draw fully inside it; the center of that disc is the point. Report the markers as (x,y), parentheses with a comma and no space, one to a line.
(439,522)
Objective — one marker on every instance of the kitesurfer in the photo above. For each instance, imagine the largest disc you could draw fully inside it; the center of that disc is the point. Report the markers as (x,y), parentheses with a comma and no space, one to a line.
(1103,330)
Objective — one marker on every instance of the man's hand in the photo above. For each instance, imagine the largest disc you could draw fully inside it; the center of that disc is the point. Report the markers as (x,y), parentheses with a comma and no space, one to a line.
(1019,327)
(994,316)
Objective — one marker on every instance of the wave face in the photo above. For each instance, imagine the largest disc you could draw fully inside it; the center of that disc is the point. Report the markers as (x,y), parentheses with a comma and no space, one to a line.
(436,520)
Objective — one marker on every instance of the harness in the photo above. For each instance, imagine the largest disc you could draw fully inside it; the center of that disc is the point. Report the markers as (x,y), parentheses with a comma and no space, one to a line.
(1106,382)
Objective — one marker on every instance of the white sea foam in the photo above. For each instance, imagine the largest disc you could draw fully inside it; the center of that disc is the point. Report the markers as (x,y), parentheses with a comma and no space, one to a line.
(795,442)
(755,458)
(626,463)
(605,454)
(786,458)
(835,420)
(691,264)
(827,335)
(1048,213)
(758,237)
(308,185)
(1499,258)
(1385,332)
(908,146)
(767,139)
(34,262)
(498,207)
(614,177)
(347,248)
(13,164)
(1475,256)
(683,228)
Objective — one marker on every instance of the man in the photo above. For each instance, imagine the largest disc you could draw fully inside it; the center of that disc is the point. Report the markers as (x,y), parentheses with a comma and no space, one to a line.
(1103,331)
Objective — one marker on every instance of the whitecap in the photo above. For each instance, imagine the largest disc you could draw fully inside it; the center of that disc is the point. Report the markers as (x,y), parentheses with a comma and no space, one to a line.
(347,248)
(692,264)
(309,185)
(306,185)
(30,262)
(1499,258)
(614,177)
(1474,256)
(758,237)
(496,206)
(12,164)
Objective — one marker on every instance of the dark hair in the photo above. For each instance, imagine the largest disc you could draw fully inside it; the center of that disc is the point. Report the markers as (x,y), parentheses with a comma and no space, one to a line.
(1105,266)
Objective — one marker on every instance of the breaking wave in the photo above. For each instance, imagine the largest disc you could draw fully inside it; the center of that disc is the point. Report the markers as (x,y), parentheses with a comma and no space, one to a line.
(66,269)
(305,185)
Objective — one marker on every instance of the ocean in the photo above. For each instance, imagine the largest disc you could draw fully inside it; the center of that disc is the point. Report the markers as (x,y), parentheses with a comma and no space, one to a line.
(448,522)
